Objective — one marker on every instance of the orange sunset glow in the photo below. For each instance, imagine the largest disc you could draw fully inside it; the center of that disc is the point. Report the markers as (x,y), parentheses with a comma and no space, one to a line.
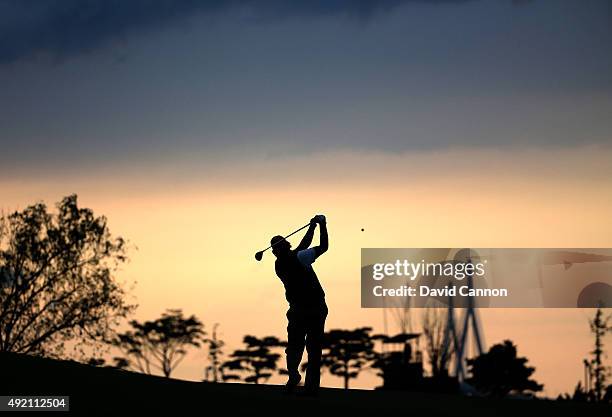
(192,242)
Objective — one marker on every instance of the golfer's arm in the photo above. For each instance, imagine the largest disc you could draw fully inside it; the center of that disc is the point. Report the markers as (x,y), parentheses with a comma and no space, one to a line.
(307,239)
(323,241)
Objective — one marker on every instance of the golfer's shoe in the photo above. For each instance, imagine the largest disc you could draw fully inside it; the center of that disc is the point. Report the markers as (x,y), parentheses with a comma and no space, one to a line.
(292,383)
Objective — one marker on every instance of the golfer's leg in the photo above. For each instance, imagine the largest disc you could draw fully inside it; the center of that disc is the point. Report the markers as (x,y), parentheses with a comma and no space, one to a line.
(296,334)
(314,345)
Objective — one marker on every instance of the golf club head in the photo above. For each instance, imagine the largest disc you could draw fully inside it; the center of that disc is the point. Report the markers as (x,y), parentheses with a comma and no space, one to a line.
(259,255)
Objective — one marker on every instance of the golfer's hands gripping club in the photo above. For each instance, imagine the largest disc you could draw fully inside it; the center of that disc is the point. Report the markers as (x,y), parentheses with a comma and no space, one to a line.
(318,219)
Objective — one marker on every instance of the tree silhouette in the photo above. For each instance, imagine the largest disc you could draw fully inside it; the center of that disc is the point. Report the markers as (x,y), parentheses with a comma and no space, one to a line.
(580,394)
(347,352)
(256,360)
(600,325)
(499,372)
(434,327)
(214,371)
(57,279)
(162,343)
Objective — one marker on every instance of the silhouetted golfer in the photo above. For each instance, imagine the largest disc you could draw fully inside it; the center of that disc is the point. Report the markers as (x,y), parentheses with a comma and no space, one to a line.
(307,308)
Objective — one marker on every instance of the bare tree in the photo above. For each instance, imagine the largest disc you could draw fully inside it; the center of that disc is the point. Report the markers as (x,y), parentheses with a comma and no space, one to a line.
(57,279)
(434,327)
(214,371)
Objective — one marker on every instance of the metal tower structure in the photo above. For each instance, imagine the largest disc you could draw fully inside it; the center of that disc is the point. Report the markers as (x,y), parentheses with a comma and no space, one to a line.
(457,339)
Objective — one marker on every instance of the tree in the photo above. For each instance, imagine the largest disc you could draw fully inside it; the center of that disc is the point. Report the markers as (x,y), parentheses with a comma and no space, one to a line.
(57,279)
(434,327)
(600,325)
(160,344)
(500,372)
(214,371)
(257,360)
(579,394)
(347,352)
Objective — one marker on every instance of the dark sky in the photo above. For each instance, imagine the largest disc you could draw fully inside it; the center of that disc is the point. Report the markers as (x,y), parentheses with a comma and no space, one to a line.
(105,82)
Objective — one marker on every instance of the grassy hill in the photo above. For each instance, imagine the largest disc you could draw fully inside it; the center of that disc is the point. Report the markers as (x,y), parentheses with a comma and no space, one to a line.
(103,391)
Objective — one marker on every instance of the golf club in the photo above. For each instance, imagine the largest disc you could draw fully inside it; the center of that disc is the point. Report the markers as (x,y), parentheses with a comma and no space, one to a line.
(259,254)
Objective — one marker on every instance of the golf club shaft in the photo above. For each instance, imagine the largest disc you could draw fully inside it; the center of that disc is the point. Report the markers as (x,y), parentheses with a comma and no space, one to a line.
(290,234)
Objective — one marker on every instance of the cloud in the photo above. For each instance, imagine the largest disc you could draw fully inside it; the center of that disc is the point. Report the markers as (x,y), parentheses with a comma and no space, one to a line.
(69,27)
(60,28)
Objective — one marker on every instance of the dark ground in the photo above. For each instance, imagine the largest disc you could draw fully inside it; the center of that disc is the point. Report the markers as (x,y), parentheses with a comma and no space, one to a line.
(109,392)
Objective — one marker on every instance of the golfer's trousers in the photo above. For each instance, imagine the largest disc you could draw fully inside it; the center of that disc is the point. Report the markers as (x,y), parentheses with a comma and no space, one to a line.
(305,330)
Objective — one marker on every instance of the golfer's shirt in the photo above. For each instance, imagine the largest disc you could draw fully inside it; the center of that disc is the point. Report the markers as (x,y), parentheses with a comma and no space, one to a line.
(302,286)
